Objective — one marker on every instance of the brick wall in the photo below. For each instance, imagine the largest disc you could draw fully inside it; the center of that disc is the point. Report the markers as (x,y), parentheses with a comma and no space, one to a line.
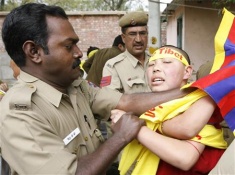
(93,28)
(96,29)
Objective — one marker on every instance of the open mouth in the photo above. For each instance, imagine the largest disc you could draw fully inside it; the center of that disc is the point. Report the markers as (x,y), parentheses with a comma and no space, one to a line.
(158,80)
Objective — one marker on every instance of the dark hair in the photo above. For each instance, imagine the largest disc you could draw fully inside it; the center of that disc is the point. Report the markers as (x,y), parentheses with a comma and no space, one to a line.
(91,48)
(124,29)
(181,51)
(118,40)
(28,22)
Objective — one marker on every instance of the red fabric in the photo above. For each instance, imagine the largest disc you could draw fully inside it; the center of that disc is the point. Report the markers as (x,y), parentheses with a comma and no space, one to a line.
(204,165)
(216,119)
(206,161)
(105,81)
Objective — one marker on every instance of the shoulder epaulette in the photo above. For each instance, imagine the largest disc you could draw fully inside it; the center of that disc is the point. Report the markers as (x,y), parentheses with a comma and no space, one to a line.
(115,60)
(22,97)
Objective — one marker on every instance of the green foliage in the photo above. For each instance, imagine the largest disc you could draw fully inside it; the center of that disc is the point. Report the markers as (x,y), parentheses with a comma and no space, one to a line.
(79,5)
(223,3)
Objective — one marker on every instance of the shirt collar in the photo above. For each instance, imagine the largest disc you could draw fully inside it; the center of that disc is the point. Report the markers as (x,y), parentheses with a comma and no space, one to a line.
(47,91)
(135,61)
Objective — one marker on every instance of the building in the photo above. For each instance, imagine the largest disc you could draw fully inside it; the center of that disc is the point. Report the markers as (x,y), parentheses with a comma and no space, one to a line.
(192,25)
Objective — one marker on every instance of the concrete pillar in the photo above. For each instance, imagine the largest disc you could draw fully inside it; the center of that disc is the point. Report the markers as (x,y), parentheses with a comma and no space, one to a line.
(154,25)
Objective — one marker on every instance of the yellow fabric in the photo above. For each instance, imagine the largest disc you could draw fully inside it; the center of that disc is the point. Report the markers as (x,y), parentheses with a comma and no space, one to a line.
(147,162)
(168,53)
(1,92)
(92,53)
(81,65)
(220,39)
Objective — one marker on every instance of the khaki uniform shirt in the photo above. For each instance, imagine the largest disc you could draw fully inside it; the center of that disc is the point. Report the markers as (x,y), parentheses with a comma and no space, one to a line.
(44,131)
(94,65)
(225,165)
(127,74)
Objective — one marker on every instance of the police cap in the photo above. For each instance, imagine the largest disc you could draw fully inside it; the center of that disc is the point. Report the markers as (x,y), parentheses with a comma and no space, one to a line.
(132,19)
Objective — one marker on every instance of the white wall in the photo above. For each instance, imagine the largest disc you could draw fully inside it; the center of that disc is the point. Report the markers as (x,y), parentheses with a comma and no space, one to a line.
(199,29)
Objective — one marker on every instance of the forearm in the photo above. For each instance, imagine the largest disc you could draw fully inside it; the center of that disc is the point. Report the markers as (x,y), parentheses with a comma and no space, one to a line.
(98,161)
(141,102)
(178,153)
(188,124)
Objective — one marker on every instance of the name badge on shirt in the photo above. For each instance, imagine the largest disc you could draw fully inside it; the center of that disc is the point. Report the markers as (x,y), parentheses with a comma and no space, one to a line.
(71,136)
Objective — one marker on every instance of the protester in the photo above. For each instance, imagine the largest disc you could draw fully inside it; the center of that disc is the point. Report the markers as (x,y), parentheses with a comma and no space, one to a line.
(169,68)
(94,65)
(46,122)
(91,51)
(126,72)
(3,89)
(3,85)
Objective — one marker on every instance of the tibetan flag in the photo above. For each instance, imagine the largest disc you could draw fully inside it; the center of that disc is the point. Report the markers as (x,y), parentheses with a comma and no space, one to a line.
(220,83)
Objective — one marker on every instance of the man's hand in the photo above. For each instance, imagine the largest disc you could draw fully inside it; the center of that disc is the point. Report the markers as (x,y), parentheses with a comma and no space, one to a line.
(3,87)
(127,127)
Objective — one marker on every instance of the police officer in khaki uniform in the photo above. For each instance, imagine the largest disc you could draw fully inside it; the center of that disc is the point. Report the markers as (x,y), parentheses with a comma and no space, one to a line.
(94,65)
(225,165)
(126,72)
(47,124)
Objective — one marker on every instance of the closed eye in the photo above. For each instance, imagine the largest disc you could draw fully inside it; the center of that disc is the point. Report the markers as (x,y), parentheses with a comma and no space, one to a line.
(167,62)
(150,64)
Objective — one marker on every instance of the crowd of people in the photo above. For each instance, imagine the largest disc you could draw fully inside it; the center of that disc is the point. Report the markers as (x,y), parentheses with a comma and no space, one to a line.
(50,118)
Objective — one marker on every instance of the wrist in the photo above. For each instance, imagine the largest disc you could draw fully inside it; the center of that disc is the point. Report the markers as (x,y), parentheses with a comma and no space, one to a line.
(141,133)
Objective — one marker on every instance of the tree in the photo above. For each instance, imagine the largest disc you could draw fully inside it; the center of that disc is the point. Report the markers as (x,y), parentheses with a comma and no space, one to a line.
(2,4)
(79,5)
(223,3)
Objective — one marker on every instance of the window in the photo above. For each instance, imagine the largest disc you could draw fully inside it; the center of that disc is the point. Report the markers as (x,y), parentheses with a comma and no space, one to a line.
(179,32)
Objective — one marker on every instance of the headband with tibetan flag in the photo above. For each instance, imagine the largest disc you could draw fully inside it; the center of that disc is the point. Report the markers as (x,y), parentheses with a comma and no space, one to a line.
(167,52)
(219,84)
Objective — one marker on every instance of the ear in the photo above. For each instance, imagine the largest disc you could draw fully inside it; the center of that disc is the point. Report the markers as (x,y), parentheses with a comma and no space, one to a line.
(121,47)
(31,51)
(188,72)
(123,37)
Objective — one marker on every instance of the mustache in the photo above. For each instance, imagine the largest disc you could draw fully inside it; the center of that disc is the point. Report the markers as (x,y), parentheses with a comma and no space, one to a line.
(138,44)
(76,63)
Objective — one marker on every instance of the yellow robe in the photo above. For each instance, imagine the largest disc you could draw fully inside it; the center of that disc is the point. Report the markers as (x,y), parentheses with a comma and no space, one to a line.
(146,161)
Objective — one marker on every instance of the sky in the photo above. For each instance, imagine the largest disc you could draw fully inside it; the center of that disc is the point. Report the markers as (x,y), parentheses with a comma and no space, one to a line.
(162,6)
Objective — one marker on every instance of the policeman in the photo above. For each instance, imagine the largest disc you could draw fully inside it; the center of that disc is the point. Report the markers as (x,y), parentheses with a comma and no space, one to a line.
(95,64)
(126,72)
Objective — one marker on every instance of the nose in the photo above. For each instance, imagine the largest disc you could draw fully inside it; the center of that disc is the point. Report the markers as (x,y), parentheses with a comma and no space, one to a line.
(77,53)
(156,68)
(138,37)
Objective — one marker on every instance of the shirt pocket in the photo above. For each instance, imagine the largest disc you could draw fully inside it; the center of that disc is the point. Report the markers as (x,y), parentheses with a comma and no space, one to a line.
(136,81)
